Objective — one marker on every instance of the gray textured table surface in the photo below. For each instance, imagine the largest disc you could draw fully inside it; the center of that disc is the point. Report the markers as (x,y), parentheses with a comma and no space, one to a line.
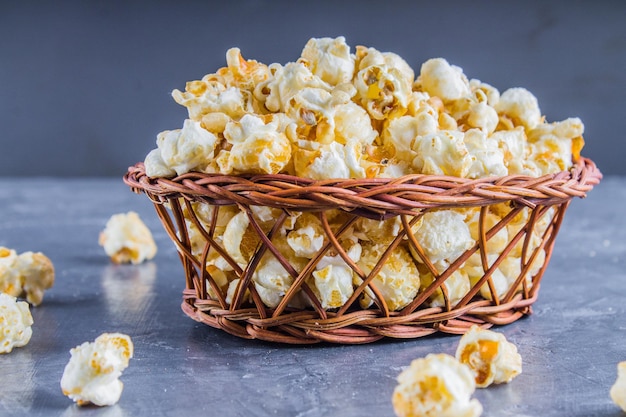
(570,345)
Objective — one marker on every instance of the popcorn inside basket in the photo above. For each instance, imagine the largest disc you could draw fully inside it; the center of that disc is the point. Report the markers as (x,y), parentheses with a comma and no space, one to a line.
(345,198)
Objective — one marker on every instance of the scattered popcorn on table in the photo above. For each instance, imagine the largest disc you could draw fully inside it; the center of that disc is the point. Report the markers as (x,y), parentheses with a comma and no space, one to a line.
(127,239)
(492,358)
(341,113)
(92,374)
(436,386)
(27,274)
(618,390)
(15,322)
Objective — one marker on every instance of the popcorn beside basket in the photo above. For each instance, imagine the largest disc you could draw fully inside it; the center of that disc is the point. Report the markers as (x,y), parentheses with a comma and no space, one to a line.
(339,199)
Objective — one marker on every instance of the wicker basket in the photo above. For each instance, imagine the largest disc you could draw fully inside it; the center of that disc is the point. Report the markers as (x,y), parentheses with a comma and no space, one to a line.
(408,197)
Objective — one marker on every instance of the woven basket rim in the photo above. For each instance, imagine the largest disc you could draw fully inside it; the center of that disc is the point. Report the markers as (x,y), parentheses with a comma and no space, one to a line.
(369,197)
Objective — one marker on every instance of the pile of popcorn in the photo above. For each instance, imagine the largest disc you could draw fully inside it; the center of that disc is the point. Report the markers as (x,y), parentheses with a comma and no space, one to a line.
(337,114)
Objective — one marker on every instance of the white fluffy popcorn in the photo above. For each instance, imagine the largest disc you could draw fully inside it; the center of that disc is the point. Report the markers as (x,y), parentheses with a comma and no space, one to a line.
(329,59)
(182,150)
(307,238)
(126,238)
(492,358)
(487,158)
(443,235)
(92,374)
(15,323)
(25,275)
(521,106)
(442,153)
(329,161)
(398,280)
(456,286)
(333,277)
(439,78)
(436,386)
(618,389)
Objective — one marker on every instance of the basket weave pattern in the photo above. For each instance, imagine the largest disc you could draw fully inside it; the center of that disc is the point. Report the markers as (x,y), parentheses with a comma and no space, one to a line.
(545,198)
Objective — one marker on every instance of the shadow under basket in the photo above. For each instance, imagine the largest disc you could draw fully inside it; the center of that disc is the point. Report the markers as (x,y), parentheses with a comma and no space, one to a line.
(524,211)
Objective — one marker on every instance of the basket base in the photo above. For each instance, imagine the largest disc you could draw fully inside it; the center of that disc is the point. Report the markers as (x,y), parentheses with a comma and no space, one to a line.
(359,327)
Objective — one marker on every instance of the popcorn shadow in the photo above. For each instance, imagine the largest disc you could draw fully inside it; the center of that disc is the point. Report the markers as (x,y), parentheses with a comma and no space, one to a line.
(93,410)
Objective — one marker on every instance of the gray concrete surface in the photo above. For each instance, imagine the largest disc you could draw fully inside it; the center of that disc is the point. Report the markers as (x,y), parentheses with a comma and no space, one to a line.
(84,85)
(570,345)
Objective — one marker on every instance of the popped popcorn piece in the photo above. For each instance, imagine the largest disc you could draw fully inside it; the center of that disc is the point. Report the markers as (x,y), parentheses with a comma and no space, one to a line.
(37,273)
(182,150)
(443,235)
(398,280)
(92,374)
(329,59)
(483,116)
(492,358)
(520,106)
(241,73)
(332,279)
(10,280)
(456,286)
(271,280)
(487,157)
(498,242)
(330,161)
(285,83)
(442,153)
(210,95)
(239,239)
(439,78)
(307,238)
(257,147)
(126,238)
(383,83)
(618,389)
(436,386)
(378,231)
(515,150)
(15,323)
(156,167)
(25,275)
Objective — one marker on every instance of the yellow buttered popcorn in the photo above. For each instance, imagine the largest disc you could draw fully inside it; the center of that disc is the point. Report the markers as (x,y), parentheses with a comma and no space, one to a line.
(398,280)
(92,374)
(26,275)
(618,389)
(126,238)
(256,147)
(15,323)
(492,358)
(436,386)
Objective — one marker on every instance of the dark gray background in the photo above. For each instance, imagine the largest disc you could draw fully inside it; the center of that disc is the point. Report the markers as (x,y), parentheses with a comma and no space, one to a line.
(84,85)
